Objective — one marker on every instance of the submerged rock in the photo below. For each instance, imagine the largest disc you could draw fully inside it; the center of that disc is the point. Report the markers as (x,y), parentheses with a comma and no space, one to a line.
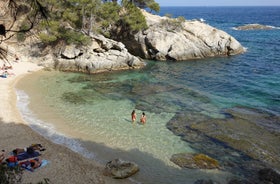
(194,161)
(254,132)
(244,141)
(120,169)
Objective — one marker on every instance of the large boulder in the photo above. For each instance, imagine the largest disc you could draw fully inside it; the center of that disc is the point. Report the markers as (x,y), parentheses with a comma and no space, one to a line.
(120,169)
(177,39)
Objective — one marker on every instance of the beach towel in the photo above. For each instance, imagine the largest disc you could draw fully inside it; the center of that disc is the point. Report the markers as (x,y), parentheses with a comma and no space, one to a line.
(27,165)
(25,155)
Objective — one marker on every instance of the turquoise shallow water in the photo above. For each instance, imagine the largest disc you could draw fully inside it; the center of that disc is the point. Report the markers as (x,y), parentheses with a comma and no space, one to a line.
(91,114)
(92,117)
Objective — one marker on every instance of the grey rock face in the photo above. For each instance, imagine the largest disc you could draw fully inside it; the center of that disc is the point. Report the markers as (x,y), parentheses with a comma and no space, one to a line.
(102,55)
(174,39)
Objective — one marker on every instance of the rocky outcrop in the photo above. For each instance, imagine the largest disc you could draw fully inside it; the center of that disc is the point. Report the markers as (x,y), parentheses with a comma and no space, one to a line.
(120,169)
(101,55)
(254,27)
(177,39)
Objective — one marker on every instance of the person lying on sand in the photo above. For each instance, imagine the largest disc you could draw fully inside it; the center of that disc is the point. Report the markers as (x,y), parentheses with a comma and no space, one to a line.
(5,67)
(35,163)
(31,164)
(30,149)
(5,74)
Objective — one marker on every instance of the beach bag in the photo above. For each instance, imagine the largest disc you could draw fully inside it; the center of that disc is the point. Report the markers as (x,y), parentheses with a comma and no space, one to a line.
(12,161)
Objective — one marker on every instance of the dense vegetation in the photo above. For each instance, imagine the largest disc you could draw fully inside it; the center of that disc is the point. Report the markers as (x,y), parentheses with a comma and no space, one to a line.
(73,20)
(70,21)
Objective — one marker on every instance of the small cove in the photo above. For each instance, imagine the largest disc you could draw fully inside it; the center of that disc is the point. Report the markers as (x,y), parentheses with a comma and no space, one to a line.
(91,114)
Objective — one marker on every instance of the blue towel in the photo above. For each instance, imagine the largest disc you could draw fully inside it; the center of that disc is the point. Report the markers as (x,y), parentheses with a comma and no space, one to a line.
(44,163)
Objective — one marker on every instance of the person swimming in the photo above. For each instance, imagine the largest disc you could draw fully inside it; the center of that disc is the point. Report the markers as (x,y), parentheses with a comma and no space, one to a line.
(143,118)
(133,116)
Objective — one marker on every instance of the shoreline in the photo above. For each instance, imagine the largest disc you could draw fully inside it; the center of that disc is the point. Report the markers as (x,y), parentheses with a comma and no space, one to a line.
(65,165)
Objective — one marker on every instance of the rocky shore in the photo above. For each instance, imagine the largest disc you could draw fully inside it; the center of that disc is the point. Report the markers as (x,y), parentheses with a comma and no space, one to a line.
(102,55)
(179,39)
(165,39)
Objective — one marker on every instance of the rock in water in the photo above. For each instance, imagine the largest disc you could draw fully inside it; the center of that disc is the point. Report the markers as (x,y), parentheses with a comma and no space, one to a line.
(178,39)
(194,161)
(120,169)
(254,27)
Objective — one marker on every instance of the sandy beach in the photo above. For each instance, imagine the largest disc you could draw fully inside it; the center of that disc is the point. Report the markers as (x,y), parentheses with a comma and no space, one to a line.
(65,166)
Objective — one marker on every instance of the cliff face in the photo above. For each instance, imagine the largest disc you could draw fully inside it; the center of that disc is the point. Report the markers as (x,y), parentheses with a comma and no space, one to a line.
(175,39)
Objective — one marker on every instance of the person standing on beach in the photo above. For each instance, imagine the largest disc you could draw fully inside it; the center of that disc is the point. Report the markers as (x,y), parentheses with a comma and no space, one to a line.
(133,116)
(143,118)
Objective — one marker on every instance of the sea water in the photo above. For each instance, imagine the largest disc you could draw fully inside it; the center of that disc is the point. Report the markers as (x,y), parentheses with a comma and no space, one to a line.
(91,114)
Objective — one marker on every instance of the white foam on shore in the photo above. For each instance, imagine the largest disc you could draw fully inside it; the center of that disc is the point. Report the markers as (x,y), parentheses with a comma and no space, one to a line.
(45,129)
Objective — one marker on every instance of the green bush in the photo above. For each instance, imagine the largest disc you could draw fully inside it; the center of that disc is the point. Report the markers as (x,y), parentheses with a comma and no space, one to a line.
(9,175)
(172,24)
(46,38)
(75,37)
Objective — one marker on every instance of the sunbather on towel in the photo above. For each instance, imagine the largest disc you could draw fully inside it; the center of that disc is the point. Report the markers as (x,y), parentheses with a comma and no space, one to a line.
(31,164)
(35,163)
(29,150)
